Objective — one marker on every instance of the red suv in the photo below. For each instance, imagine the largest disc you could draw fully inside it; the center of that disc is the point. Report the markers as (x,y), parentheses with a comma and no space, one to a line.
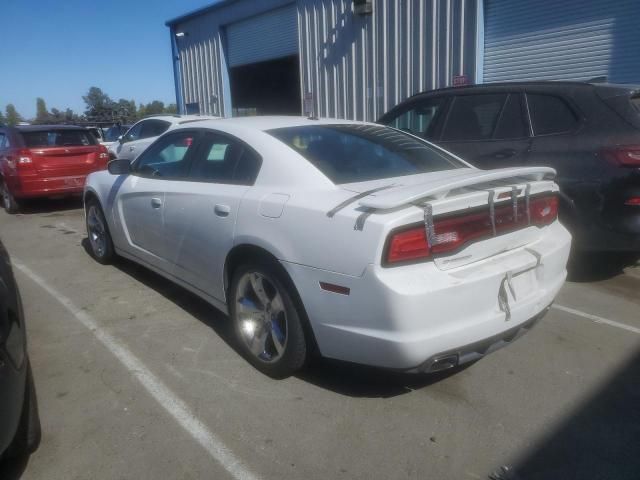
(46,161)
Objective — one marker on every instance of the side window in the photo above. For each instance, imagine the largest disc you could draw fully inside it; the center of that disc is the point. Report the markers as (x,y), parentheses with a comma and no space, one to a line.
(167,158)
(473,117)
(550,114)
(512,124)
(223,160)
(2,140)
(133,133)
(153,128)
(418,118)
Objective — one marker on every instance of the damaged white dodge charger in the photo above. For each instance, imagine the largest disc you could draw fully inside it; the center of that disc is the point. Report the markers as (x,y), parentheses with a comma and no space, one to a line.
(352,240)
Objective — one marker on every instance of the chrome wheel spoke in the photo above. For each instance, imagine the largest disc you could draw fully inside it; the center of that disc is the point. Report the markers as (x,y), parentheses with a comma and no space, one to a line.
(277,306)
(277,337)
(257,284)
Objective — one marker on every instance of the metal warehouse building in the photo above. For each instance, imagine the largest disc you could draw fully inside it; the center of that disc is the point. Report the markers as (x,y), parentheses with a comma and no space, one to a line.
(358,58)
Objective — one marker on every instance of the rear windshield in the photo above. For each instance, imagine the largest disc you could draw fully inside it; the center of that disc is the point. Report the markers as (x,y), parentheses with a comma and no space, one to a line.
(58,138)
(635,101)
(357,153)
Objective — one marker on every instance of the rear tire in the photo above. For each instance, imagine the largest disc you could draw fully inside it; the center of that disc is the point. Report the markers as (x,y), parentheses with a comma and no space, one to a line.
(27,438)
(8,200)
(100,243)
(266,322)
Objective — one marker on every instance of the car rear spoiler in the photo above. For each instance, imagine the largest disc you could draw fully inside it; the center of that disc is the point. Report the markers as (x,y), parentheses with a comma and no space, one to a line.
(399,196)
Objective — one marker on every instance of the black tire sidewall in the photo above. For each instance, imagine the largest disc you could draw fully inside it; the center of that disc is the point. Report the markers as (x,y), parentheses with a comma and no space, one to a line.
(296,349)
(109,253)
(12,206)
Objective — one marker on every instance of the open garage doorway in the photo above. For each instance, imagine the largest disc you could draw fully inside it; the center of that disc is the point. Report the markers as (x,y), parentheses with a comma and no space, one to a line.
(266,88)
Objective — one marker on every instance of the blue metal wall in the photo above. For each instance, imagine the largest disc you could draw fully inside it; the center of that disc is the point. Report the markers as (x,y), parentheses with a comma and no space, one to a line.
(562,40)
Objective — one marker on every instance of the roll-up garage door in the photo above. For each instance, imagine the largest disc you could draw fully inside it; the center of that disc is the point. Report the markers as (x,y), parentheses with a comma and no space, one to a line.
(271,35)
(562,40)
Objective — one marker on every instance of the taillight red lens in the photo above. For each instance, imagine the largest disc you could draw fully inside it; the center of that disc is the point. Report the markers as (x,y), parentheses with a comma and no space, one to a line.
(24,160)
(408,245)
(452,233)
(633,202)
(623,156)
(544,210)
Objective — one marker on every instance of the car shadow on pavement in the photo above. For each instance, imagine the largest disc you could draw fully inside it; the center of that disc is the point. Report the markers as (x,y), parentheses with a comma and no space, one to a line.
(340,377)
(12,469)
(600,439)
(49,205)
(598,266)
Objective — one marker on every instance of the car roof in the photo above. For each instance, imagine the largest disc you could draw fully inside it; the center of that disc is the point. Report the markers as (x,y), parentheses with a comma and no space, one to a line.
(176,118)
(41,128)
(269,122)
(611,89)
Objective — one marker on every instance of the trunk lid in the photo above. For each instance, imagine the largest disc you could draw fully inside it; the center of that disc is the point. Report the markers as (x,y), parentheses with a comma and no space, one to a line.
(70,160)
(498,201)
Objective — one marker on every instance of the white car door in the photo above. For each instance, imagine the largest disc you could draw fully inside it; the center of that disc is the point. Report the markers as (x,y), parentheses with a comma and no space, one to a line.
(141,197)
(200,212)
(139,137)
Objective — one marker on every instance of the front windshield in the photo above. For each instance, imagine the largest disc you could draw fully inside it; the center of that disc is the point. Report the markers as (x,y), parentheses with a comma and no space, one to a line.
(348,153)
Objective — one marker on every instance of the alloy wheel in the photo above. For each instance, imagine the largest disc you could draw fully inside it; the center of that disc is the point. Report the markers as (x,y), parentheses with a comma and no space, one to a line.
(97,231)
(261,317)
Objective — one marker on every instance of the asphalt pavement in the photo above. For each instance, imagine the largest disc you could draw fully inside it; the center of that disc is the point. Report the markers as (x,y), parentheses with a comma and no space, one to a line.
(138,379)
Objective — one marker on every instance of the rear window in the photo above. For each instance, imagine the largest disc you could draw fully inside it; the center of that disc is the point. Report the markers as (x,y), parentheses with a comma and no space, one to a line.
(58,138)
(635,101)
(357,153)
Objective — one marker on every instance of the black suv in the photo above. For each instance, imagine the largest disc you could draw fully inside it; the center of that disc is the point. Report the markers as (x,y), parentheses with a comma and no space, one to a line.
(590,133)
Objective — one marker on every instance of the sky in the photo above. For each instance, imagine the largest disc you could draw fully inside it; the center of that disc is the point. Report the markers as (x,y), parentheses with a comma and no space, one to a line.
(57,49)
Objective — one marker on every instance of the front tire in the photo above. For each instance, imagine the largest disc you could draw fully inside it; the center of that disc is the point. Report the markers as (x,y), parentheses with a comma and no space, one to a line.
(28,435)
(8,200)
(100,243)
(266,321)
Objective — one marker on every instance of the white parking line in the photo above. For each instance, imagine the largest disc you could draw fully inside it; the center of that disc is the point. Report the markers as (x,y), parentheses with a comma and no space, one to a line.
(596,318)
(177,408)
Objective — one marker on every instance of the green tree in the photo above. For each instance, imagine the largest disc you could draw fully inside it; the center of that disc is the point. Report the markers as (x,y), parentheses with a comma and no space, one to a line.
(99,105)
(154,108)
(13,117)
(42,115)
(172,108)
(3,121)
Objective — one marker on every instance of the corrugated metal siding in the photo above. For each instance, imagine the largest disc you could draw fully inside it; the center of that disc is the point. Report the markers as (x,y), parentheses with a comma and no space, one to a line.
(358,67)
(353,66)
(247,42)
(567,40)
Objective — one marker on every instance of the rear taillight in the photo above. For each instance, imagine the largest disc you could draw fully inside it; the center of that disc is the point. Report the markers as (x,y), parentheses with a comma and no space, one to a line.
(103,153)
(633,202)
(453,232)
(25,160)
(623,156)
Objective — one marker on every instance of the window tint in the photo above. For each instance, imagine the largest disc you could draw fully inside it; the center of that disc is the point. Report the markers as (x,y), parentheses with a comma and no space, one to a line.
(58,138)
(153,128)
(511,123)
(418,118)
(223,160)
(473,117)
(357,153)
(134,132)
(550,114)
(635,101)
(167,158)
(2,140)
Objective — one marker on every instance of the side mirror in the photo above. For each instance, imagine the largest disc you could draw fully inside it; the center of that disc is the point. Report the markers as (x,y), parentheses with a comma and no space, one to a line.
(121,139)
(119,167)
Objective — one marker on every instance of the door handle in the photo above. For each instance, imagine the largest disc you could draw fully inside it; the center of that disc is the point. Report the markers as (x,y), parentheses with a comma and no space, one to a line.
(222,210)
(131,149)
(156,202)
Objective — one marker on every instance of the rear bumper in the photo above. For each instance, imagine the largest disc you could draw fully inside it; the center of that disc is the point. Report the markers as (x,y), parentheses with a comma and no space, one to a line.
(402,318)
(26,187)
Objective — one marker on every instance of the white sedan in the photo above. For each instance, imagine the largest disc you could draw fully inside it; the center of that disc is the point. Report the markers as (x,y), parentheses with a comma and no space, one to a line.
(353,240)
